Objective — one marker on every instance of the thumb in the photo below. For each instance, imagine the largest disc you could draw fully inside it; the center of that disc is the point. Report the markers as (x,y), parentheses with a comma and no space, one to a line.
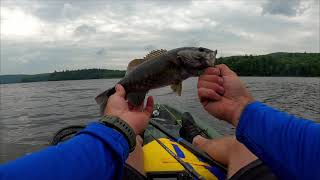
(225,70)
(120,91)
(149,107)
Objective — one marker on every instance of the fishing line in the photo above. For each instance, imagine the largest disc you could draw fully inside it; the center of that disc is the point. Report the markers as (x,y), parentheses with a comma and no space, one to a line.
(175,118)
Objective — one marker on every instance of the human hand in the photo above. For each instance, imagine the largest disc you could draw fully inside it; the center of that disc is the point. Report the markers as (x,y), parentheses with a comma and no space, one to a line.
(222,93)
(136,117)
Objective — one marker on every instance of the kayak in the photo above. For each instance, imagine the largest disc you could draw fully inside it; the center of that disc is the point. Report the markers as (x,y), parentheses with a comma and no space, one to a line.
(167,155)
(164,127)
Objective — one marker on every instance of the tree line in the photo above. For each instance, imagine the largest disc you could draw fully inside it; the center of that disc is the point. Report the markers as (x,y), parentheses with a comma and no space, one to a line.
(86,74)
(76,75)
(275,64)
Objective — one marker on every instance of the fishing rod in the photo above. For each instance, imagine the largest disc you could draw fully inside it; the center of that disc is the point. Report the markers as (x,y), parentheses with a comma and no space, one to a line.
(187,145)
(187,167)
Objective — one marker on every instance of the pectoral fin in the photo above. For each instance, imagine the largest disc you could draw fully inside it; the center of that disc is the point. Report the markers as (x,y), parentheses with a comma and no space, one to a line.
(136,98)
(177,88)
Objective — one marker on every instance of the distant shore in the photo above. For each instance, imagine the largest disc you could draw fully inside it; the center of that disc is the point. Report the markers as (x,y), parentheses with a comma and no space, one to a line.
(63,75)
(279,64)
(275,64)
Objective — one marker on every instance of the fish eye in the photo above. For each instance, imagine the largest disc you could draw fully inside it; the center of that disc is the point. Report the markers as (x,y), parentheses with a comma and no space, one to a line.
(201,49)
(198,58)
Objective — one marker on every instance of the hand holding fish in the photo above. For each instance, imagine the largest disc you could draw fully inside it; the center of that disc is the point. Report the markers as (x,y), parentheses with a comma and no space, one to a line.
(118,106)
(222,93)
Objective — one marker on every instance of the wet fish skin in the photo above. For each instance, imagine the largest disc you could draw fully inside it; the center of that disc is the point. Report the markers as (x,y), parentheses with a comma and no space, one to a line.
(169,68)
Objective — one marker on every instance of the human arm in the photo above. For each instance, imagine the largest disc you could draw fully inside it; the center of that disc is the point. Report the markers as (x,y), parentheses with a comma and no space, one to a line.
(288,145)
(285,143)
(97,152)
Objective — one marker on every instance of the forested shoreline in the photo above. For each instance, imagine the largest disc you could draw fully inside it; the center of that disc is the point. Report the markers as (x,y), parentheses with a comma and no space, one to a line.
(64,75)
(78,75)
(274,64)
(86,74)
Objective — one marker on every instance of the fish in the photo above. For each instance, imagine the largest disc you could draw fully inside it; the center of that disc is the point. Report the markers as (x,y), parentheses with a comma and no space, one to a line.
(158,69)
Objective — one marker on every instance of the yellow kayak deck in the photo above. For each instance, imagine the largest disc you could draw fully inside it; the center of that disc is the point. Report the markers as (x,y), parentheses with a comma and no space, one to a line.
(158,160)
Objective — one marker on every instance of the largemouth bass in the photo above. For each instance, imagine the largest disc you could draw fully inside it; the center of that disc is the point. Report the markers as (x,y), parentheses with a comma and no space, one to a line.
(158,69)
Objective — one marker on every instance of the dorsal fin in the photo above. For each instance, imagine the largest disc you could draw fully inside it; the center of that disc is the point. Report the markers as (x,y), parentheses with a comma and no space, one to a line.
(134,63)
(154,53)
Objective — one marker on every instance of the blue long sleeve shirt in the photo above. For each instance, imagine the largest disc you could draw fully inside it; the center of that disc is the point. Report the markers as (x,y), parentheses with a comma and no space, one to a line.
(290,146)
(97,152)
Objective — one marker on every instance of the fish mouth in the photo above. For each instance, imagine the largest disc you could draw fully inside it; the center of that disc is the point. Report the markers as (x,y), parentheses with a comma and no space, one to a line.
(211,58)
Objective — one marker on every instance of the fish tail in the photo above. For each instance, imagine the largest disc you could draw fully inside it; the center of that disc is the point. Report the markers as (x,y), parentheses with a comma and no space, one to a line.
(102,99)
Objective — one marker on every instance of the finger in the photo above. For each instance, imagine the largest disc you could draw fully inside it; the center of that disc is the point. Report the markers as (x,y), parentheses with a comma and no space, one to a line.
(120,91)
(209,85)
(225,70)
(205,93)
(149,107)
(139,140)
(211,78)
(204,101)
(212,71)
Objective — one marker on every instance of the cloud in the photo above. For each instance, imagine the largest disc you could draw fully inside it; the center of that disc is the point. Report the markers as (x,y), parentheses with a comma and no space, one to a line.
(43,36)
(283,7)
(16,23)
(84,30)
(149,47)
(101,51)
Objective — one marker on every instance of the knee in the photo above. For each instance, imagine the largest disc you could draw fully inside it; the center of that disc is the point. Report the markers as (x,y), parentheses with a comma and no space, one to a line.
(199,141)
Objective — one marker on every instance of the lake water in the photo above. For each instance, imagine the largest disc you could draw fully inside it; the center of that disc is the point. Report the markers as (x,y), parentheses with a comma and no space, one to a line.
(31,113)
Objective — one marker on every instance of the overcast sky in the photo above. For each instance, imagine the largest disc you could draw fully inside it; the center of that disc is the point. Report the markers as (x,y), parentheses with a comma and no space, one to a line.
(43,36)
